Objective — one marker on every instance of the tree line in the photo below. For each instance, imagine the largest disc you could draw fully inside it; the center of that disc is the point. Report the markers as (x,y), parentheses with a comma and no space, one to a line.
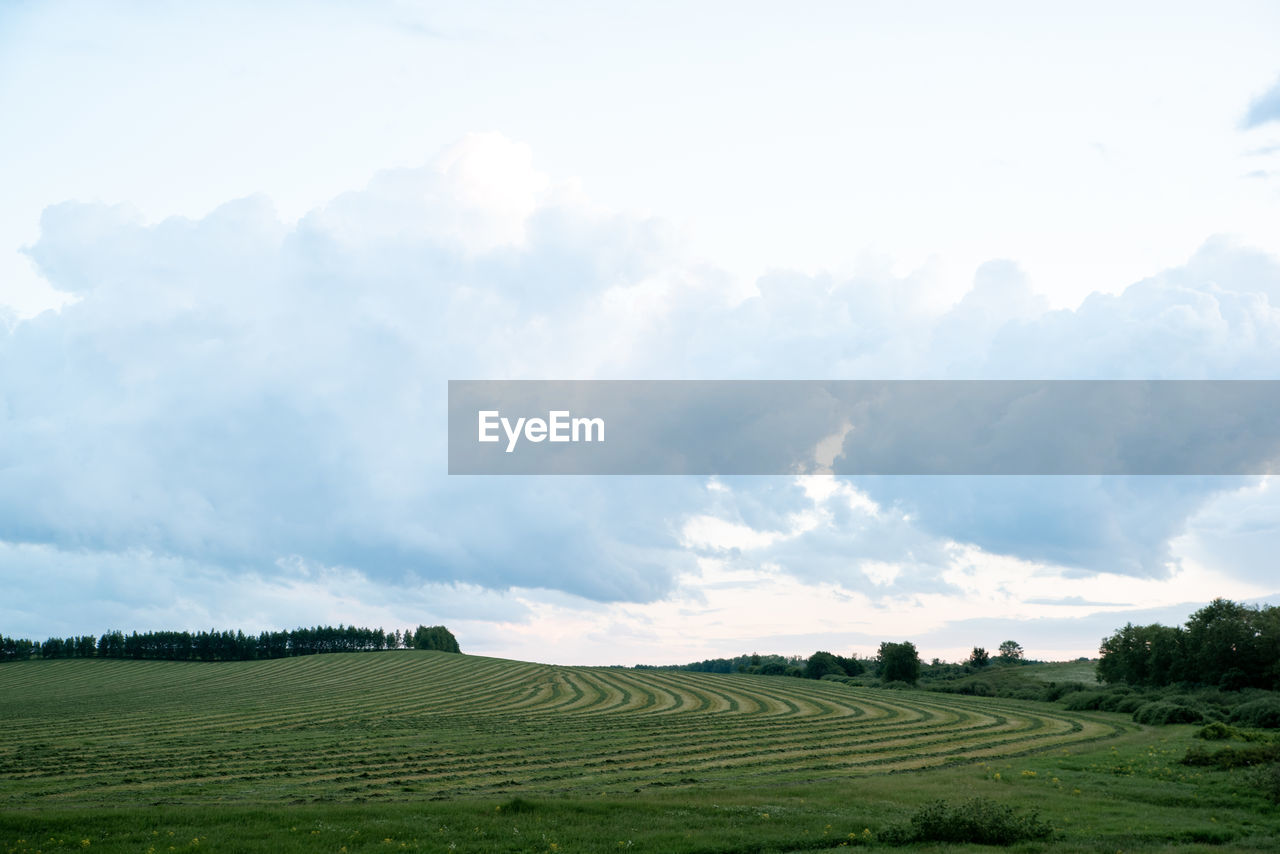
(893,662)
(1224,644)
(753,663)
(228,645)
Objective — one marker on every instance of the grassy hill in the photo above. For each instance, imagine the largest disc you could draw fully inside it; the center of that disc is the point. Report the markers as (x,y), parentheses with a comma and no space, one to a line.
(1085,672)
(122,753)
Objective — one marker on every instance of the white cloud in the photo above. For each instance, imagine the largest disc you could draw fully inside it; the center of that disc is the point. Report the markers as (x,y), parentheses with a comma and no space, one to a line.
(1265,108)
(234,391)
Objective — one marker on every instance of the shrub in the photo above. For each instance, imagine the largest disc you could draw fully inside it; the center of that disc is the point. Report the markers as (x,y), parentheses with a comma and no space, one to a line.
(518,805)
(1264,713)
(1266,780)
(1214,712)
(1209,835)
(1083,701)
(1056,691)
(1233,757)
(1129,705)
(980,820)
(1113,699)
(1217,731)
(1163,712)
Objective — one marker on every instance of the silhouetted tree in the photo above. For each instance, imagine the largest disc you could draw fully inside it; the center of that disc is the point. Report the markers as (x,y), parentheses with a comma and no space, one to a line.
(899,662)
(821,664)
(226,645)
(1011,651)
(1224,643)
(435,637)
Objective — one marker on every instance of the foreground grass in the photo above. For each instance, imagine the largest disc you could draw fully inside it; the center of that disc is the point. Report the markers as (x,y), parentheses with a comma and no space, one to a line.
(280,770)
(1129,796)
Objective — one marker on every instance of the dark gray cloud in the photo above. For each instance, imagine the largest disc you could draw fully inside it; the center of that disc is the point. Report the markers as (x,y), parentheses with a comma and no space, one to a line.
(1088,523)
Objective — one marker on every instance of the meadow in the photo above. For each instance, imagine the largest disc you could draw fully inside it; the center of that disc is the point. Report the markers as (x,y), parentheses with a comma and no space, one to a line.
(434,751)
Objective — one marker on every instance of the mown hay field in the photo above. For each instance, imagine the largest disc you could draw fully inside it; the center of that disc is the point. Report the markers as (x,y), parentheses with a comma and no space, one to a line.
(392,725)
(429,751)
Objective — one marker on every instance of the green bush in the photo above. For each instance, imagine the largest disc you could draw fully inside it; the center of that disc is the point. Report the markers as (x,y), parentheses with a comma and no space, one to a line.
(981,689)
(1113,699)
(1233,757)
(1129,705)
(1055,691)
(1084,701)
(1209,835)
(518,805)
(1027,692)
(980,820)
(1217,731)
(1266,780)
(1163,712)
(1264,713)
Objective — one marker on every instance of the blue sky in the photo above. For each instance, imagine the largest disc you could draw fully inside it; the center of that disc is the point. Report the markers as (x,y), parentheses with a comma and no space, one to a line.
(243,249)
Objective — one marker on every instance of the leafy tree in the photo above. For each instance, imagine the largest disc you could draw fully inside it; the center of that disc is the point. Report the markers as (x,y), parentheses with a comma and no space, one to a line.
(1011,651)
(899,662)
(52,648)
(821,664)
(111,645)
(979,657)
(15,649)
(1224,643)
(1220,638)
(435,637)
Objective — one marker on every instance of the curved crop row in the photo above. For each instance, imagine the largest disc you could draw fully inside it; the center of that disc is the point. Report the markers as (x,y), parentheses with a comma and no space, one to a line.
(418,724)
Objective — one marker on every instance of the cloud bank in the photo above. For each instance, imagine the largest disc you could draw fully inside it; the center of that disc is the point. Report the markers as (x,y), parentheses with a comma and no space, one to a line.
(233,397)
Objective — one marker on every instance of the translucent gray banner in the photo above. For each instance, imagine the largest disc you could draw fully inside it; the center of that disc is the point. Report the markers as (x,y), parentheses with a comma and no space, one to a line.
(864,427)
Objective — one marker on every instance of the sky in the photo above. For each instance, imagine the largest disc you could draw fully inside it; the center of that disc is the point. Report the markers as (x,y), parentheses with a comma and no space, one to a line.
(244,247)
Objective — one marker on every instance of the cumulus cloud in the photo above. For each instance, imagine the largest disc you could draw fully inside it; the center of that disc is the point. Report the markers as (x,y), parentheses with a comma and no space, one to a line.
(1265,108)
(1239,531)
(231,392)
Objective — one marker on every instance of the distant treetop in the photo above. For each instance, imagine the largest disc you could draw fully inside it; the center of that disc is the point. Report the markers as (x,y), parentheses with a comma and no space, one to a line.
(224,645)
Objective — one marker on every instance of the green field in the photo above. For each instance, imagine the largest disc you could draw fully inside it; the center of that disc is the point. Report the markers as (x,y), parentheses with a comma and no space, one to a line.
(435,751)
(1084,672)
